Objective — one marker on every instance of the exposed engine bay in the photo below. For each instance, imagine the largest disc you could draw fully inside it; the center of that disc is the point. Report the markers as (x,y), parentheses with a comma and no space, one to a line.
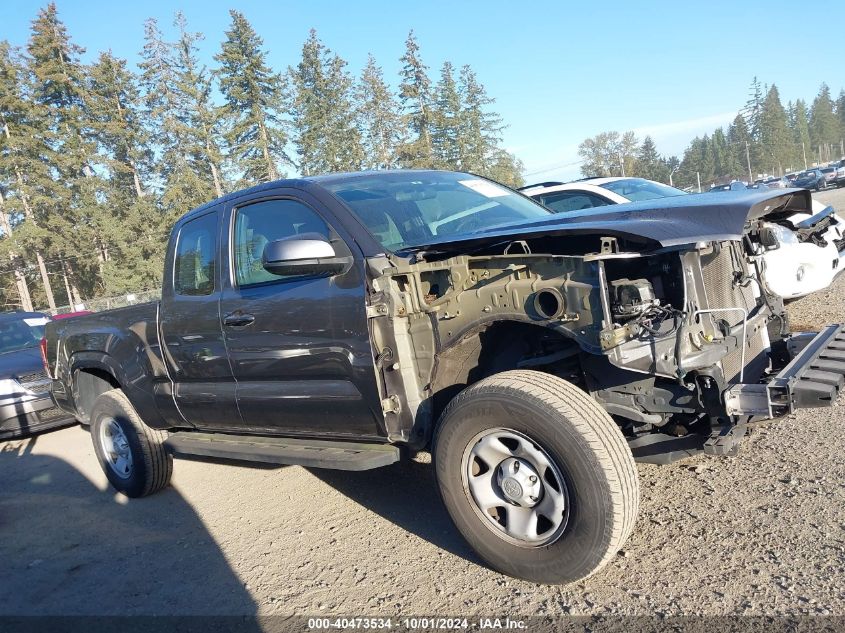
(656,334)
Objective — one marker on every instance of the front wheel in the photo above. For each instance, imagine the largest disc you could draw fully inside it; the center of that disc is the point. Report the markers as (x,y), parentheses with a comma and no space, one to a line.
(131,453)
(536,476)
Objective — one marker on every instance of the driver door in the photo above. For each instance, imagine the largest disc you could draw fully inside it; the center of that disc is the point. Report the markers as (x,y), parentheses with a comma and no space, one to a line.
(299,345)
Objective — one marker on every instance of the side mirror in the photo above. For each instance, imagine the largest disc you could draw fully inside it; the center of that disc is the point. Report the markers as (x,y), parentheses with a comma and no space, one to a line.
(304,257)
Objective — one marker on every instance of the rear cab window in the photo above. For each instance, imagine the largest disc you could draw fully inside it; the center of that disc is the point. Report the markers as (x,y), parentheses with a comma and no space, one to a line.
(195,260)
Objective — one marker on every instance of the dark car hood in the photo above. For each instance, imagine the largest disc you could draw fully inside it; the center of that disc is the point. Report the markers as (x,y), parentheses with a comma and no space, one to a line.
(662,222)
(25,361)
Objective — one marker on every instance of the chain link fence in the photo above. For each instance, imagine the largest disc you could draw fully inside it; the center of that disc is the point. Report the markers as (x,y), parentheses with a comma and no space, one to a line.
(107,303)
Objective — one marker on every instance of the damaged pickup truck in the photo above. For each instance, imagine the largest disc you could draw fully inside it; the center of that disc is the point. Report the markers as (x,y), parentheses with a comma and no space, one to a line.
(344,321)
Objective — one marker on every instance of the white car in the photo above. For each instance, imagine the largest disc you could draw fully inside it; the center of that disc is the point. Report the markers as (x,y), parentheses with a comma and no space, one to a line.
(793,267)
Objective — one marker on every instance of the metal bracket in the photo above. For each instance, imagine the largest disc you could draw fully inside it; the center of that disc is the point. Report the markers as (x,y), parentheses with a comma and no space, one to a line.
(391,404)
(609,246)
(744,331)
(377,310)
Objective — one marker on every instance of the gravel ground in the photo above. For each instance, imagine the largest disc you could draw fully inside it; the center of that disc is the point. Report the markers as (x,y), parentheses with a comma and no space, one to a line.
(762,534)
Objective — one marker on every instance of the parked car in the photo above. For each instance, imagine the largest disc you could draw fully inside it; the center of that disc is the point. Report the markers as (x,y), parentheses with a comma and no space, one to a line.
(829,176)
(810,179)
(597,192)
(776,182)
(330,321)
(840,173)
(734,185)
(26,406)
(795,263)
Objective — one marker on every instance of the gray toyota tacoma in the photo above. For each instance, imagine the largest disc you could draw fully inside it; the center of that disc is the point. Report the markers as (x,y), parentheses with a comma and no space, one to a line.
(348,320)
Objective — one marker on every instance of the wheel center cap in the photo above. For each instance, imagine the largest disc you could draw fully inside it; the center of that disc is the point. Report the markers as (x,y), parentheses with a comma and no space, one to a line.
(519,482)
(511,488)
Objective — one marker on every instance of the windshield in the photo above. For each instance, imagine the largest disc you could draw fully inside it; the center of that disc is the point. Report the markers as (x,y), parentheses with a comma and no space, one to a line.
(23,333)
(641,189)
(404,209)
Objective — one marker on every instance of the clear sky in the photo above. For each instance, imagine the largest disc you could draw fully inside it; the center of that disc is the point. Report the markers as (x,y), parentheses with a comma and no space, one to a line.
(559,71)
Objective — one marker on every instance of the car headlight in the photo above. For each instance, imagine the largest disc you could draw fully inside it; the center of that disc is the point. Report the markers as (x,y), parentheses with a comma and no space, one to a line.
(10,387)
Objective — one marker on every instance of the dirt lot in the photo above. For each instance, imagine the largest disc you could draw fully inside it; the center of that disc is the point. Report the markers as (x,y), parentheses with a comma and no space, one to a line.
(763,533)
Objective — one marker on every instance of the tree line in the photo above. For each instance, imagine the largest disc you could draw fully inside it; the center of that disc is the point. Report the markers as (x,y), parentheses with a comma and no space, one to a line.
(765,138)
(98,159)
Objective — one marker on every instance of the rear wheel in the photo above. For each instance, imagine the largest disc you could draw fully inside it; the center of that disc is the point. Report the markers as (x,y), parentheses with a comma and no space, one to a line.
(131,454)
(536,476)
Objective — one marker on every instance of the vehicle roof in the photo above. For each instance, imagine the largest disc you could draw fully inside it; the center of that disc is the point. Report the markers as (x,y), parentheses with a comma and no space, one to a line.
(305,182)
(589,185)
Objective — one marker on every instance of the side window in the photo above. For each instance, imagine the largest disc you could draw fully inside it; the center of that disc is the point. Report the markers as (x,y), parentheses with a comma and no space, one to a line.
(196,250)
(262,222)
(566,201)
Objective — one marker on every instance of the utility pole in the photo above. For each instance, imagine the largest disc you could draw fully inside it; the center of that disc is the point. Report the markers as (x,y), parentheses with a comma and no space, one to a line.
(698,177)
(748,160)
(804,151)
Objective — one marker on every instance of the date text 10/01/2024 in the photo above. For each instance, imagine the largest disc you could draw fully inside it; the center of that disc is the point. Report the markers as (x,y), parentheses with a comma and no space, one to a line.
(416,623)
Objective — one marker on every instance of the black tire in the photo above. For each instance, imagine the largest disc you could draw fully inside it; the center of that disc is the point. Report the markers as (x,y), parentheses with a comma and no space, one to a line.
(151,465)
(582,441)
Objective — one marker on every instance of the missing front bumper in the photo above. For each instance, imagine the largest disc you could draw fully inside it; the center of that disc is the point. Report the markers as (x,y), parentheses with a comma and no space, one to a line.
(813,378)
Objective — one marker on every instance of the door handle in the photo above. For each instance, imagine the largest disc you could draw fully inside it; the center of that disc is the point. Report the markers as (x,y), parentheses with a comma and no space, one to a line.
(238,319)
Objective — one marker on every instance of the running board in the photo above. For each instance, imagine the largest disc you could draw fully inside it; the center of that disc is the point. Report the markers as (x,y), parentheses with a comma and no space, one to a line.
(283,450)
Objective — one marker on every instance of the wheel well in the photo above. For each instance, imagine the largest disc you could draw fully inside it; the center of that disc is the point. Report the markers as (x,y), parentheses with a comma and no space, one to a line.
(498,347)
(89,384)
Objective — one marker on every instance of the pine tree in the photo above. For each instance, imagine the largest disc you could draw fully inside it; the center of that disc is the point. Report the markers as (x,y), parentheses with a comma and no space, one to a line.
(181,119)
(649,163)
(480,128)
(415,98)
(740,141)
(379,118)
(326,134)
(799,125)
(481,134)
(20,161)
(775,137)
(753,108)
(840,113)
(115,107)
(255,136)
(446,121)
(73,219)
(137,226)
(721,154)
(201,125)
(506,168)
(824,127)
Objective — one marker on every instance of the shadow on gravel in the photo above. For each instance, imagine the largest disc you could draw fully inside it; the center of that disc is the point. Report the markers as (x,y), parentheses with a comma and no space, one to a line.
(406,495)
(68,548)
